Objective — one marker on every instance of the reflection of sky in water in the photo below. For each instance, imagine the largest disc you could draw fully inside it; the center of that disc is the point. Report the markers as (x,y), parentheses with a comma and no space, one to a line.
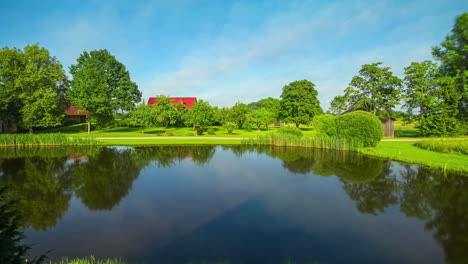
(238,208)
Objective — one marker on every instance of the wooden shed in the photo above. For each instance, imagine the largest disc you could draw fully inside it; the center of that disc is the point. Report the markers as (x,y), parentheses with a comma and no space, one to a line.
(388,127)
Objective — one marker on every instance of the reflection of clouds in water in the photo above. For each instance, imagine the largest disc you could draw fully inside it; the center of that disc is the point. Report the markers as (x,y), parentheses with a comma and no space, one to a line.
(316,206)
(239,188)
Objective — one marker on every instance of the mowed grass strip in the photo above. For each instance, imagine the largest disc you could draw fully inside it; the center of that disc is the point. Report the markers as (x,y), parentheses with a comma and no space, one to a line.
(409,152)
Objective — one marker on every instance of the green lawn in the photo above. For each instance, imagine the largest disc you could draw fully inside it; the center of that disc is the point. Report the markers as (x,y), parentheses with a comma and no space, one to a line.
(80,130)
(408,152)
(134,142)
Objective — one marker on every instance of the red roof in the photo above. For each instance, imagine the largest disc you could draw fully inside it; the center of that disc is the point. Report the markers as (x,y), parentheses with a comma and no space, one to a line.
(187,101)
(74,111)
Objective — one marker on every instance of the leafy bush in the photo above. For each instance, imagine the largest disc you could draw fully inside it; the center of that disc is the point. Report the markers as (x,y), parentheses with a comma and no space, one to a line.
(199,131)
(189,134)
(11,250)
(459,146)
(210,131)
(442,126)
(361,126)
(169,132)
(230,126)
(289,130)
(325,124)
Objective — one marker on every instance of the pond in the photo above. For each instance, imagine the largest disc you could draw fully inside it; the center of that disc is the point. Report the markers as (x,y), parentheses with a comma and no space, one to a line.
(238,204)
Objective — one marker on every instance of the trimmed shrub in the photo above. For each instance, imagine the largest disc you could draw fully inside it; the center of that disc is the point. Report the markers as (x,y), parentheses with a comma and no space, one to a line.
(289,130)
(210,131)
(442,126)
(190,134)
(361,126)
(169,132)
(325,124)
(199,131)
(230,126)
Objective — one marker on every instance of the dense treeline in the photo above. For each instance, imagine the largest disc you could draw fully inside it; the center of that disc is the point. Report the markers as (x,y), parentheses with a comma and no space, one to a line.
(35,91)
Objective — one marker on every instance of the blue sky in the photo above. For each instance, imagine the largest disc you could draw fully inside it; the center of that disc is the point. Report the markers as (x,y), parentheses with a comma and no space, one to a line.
(229,51)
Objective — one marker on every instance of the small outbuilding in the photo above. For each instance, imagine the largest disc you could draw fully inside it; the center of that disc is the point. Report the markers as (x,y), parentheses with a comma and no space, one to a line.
(75,115)
(388,125)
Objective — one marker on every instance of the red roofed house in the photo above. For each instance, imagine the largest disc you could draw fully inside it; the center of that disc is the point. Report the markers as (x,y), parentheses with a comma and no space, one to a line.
(187,101)
(75,115)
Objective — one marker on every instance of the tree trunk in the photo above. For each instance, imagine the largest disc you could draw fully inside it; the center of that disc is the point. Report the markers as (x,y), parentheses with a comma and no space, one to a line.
(297,125)
(31,131)
(89,127)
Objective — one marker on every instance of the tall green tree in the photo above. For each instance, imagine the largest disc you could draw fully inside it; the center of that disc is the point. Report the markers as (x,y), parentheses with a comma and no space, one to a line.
(143,116)
(272,104)
(263,117)
(453,57)
(32,87)
(102,85)
(240,114)
(375,90)
(201,114)
(421,85)
(166,111)
(299,102)
(337,105)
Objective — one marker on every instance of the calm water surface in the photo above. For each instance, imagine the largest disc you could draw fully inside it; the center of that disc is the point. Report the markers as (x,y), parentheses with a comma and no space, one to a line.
(174,204)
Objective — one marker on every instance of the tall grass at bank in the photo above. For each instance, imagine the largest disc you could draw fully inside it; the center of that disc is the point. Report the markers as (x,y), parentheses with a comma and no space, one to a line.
(53,139)
(455,146)
(90,260)
(320,142)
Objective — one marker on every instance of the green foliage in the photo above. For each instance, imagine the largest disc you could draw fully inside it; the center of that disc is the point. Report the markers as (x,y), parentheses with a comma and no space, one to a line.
(90,260)
(143,116)
(375,90)
(457,146)
(239,114)
(210,131)
(452,54)
(299,102)
(166,111)
(291,131)
(337,105)
(360,126)
(201,114)
(272,104)
(291,140)
(11,233)
(263,117)
(102,85)
(32,87)
(200,131)
(169,132)
(44,139)
(441,125)
(230,126)
(421,85)
(325,124)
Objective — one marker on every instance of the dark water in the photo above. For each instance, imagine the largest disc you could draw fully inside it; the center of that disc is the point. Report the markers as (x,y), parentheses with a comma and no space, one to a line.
(236,204)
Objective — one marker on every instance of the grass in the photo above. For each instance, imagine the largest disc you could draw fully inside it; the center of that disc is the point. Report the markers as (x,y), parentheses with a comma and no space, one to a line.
(53,139)
(77,130)
(90,260)
(445,145)
(409,152)
(308,142)
(136,142)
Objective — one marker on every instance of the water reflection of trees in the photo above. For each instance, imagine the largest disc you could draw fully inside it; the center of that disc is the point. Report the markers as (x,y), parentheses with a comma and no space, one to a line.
(44,179)
(438,198)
